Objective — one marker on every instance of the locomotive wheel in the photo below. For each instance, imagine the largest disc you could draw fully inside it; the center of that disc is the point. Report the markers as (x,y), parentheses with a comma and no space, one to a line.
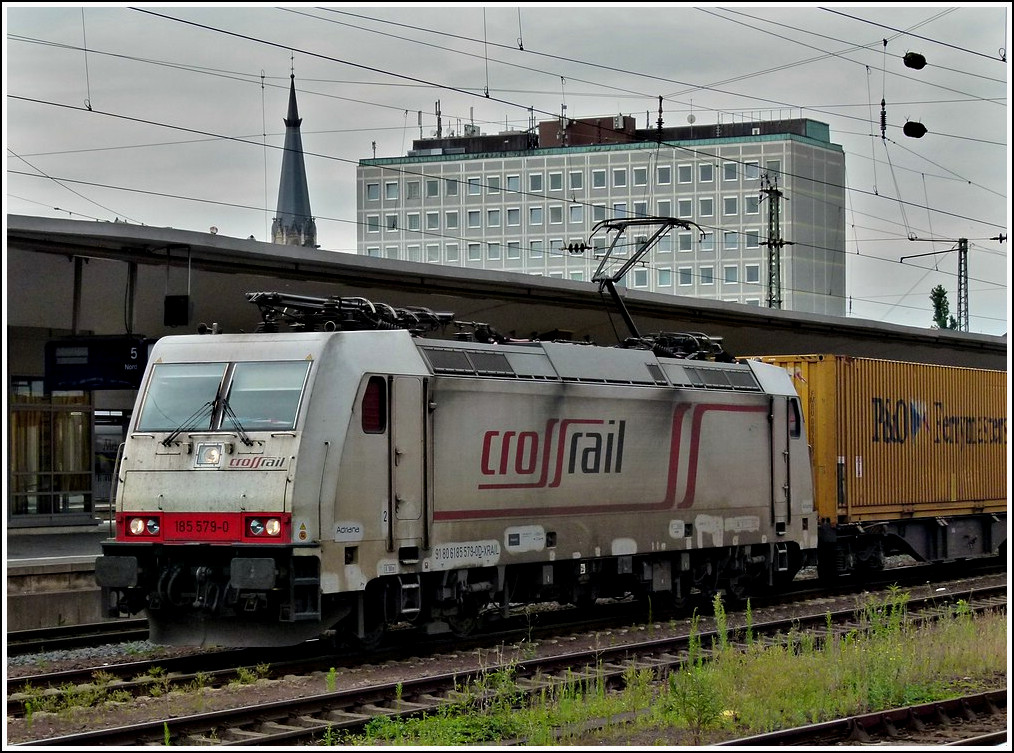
(372,637)
(466,621)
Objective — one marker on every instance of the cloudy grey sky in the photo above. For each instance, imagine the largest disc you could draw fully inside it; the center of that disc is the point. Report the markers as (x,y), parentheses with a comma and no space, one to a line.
(171,115)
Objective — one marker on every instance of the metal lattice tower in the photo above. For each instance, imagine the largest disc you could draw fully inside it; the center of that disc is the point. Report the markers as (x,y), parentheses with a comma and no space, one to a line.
(774,244)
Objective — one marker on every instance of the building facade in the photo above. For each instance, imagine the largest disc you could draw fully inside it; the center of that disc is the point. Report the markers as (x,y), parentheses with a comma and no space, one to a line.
(515,201)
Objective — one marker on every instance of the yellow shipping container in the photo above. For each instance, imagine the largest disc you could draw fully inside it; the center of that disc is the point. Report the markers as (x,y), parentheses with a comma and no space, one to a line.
(892,440)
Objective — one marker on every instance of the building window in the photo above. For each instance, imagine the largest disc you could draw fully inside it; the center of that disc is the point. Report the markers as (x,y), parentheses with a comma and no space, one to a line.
(451,187)
(619,210)
(773,167)
(640,209)
(708,242)
(577,212)
(391,190)
(753,239)
(751,170)
(598,178)
(731,275)
(513,217)
(685,241)
(707,275)
(730,171)
(475,252)
(52,454)
(665,244)
(751,204)
(373,192)
(706,207)
(474,186)
(556,181)
(664,207)
(686,276)
(640,176)
(391,222)
(619,177)
(451,219)
(412,252)
(598,246)
(640,277)
(752,301)
(535,249)
(493,184)
(391,252)
(663,175)
(577,275)
(752,272)
(706,172)
(514,183)
(534,215)
(513,250)
(730,240)
(432,188)
(685,207)
(576,180)
(433,220)
(598,212)
(730,205)
(685,173)
(413,190)
(474,218)
(663,277)
(413,221)
(373,223)
(451,252)
(373,251)
(493,251)
(492,218)
(433,252)
(535,182)
(556,246)
(555,214)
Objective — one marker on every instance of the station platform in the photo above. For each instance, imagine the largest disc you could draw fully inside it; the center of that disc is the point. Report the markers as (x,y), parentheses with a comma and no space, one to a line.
(40,544)
(50,576)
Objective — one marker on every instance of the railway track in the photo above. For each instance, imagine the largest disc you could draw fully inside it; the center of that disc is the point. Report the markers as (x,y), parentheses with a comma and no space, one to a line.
(979,719)
(309,718)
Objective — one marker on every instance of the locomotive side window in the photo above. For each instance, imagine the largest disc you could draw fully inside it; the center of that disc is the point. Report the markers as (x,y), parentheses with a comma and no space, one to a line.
(795,421)
(374,408)
(265,395)
(179,394)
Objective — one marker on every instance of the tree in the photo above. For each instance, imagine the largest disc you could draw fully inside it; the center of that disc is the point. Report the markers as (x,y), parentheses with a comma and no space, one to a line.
(942,309)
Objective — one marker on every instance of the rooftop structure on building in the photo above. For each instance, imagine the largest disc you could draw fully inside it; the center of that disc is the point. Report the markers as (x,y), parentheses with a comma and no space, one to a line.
(763,202)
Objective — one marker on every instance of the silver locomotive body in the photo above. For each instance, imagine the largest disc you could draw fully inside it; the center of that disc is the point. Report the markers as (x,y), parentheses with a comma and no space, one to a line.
(278,487)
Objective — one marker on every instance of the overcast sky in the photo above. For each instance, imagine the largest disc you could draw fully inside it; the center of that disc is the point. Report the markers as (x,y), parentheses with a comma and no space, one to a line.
(172,115)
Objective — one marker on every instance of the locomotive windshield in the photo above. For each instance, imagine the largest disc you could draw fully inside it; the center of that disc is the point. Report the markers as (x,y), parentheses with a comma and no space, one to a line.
(258,395)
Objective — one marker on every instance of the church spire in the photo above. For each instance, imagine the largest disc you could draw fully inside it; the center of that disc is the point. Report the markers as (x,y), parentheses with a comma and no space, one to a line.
(293,224)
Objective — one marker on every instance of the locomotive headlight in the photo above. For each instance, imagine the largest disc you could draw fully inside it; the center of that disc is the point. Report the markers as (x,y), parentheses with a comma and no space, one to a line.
(264,526)
(209,455)
(144,526)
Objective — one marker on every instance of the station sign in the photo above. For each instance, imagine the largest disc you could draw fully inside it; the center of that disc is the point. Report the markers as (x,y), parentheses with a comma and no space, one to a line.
(96,362)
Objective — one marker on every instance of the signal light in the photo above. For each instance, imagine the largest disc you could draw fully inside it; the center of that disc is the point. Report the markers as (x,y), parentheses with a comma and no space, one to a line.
(914,60)
(915,130)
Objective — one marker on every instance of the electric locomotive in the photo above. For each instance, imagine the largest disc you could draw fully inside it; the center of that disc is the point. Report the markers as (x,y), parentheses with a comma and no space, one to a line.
(354,471)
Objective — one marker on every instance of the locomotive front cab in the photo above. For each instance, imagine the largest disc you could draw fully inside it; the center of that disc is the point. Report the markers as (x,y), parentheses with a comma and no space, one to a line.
(204,520)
